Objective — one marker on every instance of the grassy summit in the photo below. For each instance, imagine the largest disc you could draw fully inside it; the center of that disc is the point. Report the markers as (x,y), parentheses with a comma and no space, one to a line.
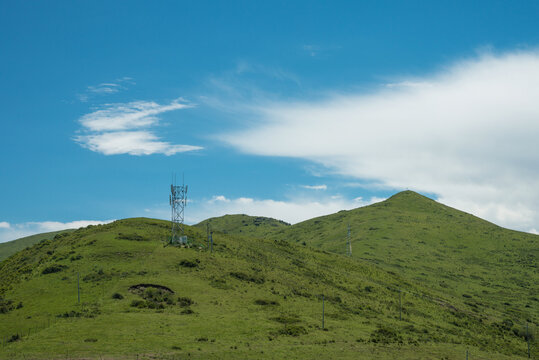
(255,296)
(486,268)
(255,226)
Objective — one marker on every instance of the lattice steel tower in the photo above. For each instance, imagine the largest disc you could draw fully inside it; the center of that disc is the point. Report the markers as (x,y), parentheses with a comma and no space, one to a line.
(178,201)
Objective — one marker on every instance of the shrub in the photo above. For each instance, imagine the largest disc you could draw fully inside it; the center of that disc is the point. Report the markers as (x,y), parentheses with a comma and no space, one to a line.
(14,338)
(97,276)
(185,301)
(132,237)
(117,296)
(266,302)
(187,311)
(5,306)
(385,335)
(53,269)
(189,264)
(90,340)
(251,278)
(293,330)
(286,319)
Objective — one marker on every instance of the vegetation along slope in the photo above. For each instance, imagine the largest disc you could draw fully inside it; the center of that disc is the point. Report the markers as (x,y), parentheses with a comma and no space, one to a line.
(252,297)
(11,247)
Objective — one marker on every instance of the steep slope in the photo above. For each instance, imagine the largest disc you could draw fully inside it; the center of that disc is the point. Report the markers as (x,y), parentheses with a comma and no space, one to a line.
(248,299)
(484,267)
(11,247)
(245,225)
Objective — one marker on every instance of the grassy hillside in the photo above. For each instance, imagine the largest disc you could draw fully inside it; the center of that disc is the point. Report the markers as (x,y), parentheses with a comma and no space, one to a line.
(250,298)
(253,226)
(11,247)
(487,269)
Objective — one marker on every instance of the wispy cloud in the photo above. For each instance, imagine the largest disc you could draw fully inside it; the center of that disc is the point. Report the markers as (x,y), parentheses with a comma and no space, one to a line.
(292,210)
(106,88)
(15,231)
(133,115)
(4,225)
(468,134)
(315,187)
(125,129)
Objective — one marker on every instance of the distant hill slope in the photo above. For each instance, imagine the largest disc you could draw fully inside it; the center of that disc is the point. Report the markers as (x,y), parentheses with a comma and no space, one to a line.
(11,247)
(450,251)
(257,226)
(250,298)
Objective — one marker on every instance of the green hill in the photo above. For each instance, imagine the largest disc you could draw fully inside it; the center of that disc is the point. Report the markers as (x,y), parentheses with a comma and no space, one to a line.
(259,295)
(487,268)
(11,247)
(256,226)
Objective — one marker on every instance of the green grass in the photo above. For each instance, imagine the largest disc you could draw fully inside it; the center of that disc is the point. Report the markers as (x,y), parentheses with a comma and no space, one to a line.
(484,268)
(11,247)
(251,226)
(255,296)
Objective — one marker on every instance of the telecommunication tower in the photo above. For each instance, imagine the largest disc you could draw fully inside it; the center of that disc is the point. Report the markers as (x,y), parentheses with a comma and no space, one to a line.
(178,201)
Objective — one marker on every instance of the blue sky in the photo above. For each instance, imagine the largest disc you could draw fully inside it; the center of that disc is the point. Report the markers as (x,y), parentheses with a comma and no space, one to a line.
(284,109)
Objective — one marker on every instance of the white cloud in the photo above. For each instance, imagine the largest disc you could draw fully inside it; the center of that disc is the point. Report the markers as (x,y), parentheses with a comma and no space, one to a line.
(468,134)
(132,143)
(127,116)
(124,129)
(4,225)
(534,231)
(292,211)
(16,231)
(315,187)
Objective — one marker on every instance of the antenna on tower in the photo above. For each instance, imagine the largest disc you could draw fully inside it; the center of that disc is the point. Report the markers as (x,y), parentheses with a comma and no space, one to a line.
(349,241)
(178,201)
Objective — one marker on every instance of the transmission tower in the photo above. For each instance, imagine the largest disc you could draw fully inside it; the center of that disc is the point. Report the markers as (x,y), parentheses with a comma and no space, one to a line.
(178,201)
(349,241)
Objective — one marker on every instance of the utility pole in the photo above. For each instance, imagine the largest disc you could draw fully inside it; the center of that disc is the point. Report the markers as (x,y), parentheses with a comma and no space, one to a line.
(349,241)
(528,340)
(323,300)
(400,304)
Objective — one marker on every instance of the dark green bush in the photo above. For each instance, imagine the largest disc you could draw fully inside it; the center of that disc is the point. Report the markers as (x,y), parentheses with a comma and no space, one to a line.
(6,306)
(251,278)
(132,237)
(265,302)
(385,335)
(53,269)
(293,330)
(185,301)
(14,338)
(117,296)
(189,264)
(286,319)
